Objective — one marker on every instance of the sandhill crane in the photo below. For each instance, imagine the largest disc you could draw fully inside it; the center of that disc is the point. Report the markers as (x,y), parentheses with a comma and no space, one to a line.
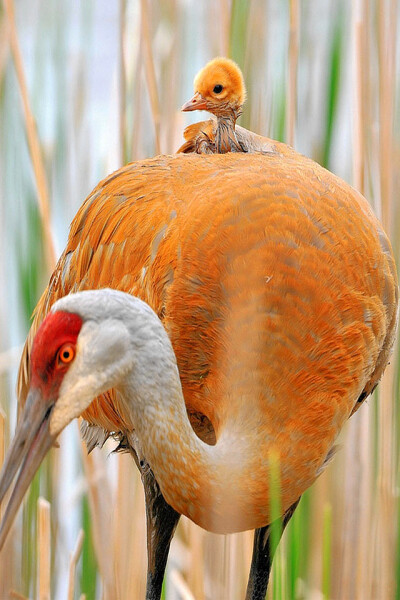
(255,311)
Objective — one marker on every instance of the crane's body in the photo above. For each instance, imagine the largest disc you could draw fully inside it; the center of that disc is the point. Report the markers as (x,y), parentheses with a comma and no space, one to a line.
(277,289)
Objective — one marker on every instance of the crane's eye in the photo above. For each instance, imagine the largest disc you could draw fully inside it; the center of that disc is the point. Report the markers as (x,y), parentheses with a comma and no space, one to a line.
(218,88)
(65,355)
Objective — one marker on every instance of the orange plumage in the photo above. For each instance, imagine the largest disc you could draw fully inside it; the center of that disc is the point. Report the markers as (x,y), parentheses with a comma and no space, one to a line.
(219,88)
(276,286)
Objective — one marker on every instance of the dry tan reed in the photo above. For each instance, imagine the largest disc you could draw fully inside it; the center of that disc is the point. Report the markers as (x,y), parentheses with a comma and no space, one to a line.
(2,435)
(181,586)
(136,150)
(355,559)
(128,528)
(122,80)
(294,28)
(224,25)
(196,566)
(7,555)
(387,503)
(75,554)
(359,58)
(387,26)
(16,596)
(43,550)
(101,509)
(33,139)
(359,512)
(4,45)
(151,73)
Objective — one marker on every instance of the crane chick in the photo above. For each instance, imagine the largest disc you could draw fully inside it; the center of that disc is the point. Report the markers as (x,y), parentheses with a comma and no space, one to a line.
(219,88)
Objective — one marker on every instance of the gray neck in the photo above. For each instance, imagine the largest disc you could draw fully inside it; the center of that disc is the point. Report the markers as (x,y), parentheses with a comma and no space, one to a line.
(195,478)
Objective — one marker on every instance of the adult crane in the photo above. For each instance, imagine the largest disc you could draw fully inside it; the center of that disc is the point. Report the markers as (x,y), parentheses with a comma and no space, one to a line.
(265,281)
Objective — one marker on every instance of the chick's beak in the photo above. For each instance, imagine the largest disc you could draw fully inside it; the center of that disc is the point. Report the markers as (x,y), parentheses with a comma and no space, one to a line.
(31,443)
(195,103)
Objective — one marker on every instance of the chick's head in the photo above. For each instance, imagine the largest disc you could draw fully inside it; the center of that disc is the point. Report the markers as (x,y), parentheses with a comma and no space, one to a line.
(219,88)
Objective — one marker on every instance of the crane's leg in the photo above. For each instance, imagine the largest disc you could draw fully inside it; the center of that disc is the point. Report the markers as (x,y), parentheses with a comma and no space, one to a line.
(261,561)
(161,521)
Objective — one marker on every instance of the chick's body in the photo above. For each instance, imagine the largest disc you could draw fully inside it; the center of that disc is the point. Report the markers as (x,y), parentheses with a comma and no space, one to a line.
(219,89)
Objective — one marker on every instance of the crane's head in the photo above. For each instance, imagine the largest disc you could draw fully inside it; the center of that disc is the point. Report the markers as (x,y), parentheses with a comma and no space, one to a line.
(82,349)
(219,88)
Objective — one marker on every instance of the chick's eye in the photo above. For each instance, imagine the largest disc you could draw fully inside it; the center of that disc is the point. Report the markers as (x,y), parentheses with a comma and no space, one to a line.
(65,355)
(218,88)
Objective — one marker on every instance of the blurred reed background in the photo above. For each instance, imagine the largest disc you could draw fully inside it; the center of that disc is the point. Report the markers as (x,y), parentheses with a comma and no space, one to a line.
(87,86)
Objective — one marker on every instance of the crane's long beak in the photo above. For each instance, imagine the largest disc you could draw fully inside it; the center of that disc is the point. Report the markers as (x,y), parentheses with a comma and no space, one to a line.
(195,103)
(31,443)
